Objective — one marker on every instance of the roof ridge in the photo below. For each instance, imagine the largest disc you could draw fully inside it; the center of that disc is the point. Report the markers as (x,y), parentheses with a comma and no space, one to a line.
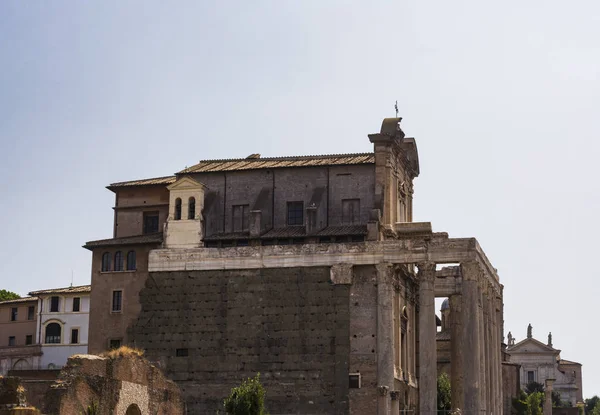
(171,176)
(285,157)
(61,288)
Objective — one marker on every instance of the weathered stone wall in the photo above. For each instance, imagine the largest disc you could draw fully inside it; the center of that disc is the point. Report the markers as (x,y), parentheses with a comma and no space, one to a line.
(269,190)
(511,384)
(113,384)
(363,339)
(291,325)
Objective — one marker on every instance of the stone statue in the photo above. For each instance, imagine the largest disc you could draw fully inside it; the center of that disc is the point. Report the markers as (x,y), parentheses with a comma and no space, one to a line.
(529,330)
(510,339)
(550,339)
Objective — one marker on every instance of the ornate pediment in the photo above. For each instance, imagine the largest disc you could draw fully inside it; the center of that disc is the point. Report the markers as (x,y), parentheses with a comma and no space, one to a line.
(531,345)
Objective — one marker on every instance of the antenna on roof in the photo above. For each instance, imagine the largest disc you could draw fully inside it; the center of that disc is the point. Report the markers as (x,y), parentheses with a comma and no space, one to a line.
(396,107)
(71,277)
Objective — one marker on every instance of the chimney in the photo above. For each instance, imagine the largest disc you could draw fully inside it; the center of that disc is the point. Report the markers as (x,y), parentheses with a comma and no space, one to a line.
(311,219)
(255,223)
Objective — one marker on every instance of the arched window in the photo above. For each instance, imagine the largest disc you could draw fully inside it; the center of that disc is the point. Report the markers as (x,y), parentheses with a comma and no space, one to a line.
(53,331)
(177,209)
(131,261)
(192,208)
(105,262)
(118,261)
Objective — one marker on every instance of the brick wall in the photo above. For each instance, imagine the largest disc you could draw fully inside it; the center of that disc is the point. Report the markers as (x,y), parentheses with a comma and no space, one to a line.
(291,325)
(104,324)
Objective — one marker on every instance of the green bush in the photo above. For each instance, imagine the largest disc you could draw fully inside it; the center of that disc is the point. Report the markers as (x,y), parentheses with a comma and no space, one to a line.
(443,392)
(246,399)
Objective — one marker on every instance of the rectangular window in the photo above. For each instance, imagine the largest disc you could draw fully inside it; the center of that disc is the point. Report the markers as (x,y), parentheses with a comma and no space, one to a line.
(354,381)
(30,312)
(181,352)
(117,301)
(350,211)
(530,376)
(295,213)
(114,343)
(13,313)
(11,341)
(150,222)
(240,217)
(76,304)
(54,303)
(74,336)
(29,339)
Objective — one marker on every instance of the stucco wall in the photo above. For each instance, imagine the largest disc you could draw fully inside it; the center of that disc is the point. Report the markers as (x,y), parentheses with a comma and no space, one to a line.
(104,324)
(19,328)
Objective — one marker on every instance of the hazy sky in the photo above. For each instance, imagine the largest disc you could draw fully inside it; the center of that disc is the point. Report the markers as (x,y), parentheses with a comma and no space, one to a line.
(502,97)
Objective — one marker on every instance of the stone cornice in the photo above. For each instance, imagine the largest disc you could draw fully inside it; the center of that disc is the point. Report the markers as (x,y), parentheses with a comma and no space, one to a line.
(438,248)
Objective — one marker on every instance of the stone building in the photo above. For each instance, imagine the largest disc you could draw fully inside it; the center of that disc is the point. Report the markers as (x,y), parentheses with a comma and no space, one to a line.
(62,324)
(18,348)
(541,361)
(306,269)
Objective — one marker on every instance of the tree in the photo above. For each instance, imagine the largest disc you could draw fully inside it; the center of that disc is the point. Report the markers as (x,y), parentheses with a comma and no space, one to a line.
(246,399)
(534,401)
(596,409)
(534,387)
(591,403)
(8,295)
(443,392)
(519,404)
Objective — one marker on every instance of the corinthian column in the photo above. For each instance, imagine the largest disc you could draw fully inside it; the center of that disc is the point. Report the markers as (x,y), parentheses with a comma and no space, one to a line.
(385,336)
(427,345)
(471,273)
(457,342)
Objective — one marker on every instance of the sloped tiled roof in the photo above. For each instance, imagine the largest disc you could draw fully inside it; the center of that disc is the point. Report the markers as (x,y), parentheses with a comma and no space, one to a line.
(149,238)
(19,300)
(67,290)
(443,335)
(279,162)
(567,362)
(343,230)
(144,182)
(227,235)
(287,232)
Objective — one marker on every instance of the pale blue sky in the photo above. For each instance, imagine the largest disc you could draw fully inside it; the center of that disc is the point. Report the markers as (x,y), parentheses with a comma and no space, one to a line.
(502,98)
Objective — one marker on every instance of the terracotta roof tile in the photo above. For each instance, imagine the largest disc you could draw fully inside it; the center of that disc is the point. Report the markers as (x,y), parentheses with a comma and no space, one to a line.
(287,232)
(150,238)
(343,230)
(279,162)
(19,300)
(144,182)
(66,290)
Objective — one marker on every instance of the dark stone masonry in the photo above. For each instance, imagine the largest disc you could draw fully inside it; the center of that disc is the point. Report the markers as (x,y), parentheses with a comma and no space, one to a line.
(211,329)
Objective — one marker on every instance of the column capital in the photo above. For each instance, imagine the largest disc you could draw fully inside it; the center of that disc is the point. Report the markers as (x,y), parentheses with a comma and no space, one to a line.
(426,271)
(471,271)
(341,273)
(383,390)
(385,272)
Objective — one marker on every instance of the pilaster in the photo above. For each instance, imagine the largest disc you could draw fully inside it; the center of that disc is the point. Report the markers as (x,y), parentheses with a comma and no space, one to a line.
(385,335)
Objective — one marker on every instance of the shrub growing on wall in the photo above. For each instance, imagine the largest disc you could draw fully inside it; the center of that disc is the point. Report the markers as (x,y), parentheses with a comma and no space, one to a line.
(247,399)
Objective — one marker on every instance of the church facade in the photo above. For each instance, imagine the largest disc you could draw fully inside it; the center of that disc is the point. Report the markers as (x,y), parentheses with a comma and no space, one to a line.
(306,269)
(541,361)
